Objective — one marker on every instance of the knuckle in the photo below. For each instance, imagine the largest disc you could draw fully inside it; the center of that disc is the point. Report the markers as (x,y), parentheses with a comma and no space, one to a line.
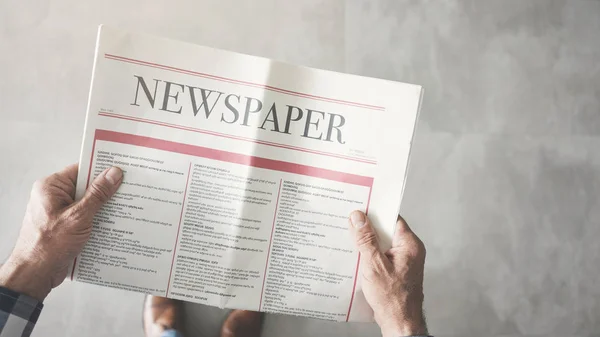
(420,246)
(415,247)
(79,220)
(46,228)
(377,265)
(367,239)
(99,193)
(369,274)
(47,181)
(75,214)
(38,186)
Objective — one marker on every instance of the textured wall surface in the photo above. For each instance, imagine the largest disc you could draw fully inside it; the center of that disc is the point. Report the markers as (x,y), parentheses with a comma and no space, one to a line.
(503,186)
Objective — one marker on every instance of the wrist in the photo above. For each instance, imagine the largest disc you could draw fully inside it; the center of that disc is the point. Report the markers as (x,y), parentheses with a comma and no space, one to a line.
(405,328)
(25,276)
(406,319)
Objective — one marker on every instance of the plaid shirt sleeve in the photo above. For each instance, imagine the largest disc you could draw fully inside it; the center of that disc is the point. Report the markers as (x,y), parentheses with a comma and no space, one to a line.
(18,313)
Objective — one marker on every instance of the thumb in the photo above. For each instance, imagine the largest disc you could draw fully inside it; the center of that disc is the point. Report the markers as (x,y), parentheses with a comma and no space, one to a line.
(101,190)
(365,238)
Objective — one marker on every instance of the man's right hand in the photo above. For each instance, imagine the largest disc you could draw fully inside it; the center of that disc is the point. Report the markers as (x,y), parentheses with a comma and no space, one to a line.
(392,281)
(54,231)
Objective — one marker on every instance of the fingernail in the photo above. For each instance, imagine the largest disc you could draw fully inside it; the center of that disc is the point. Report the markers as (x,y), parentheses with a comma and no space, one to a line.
(358,219)
(113,175)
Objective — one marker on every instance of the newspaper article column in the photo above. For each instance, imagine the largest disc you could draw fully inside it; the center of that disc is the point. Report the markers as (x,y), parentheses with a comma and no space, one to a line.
(224,235)
(310,232)
(134,234)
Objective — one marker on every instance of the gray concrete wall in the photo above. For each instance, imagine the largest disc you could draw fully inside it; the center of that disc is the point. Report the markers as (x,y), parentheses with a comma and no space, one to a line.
(503,186)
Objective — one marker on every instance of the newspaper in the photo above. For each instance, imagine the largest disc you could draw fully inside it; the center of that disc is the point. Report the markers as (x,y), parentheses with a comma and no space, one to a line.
(239,175)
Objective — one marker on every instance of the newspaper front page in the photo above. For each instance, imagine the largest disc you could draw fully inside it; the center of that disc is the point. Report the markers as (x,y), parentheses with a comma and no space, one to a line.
(239,175)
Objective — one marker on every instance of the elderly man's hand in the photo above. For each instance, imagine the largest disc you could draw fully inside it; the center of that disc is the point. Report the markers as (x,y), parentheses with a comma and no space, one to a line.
(392,281)
(54,230)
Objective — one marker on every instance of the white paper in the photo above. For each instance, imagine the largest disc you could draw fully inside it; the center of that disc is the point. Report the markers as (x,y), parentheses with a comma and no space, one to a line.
(240,202)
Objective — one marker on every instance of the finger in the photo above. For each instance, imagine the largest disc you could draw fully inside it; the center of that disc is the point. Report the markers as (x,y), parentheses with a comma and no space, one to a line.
(61,184)
(100,191)
(401,232)
(69,175)
(403,235)
(70,172)
(365,239)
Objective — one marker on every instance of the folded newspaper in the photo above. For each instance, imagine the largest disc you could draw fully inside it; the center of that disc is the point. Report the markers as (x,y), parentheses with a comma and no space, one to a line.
(239,175)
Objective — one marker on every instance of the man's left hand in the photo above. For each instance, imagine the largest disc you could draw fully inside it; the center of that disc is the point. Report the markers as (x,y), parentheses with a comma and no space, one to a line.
(54,230)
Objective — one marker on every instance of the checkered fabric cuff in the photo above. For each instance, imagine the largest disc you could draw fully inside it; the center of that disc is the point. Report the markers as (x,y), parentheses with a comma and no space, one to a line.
(18,313)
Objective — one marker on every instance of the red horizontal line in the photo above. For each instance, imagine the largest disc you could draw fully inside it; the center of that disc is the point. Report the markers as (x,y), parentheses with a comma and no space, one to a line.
(251,84)
(232,157)
(288,147)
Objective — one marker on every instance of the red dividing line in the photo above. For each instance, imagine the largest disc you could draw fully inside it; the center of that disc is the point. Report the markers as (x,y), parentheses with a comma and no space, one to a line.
(245,83)
(179,127)
(353,287)
(357,263)
(178,228)
(269,251)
